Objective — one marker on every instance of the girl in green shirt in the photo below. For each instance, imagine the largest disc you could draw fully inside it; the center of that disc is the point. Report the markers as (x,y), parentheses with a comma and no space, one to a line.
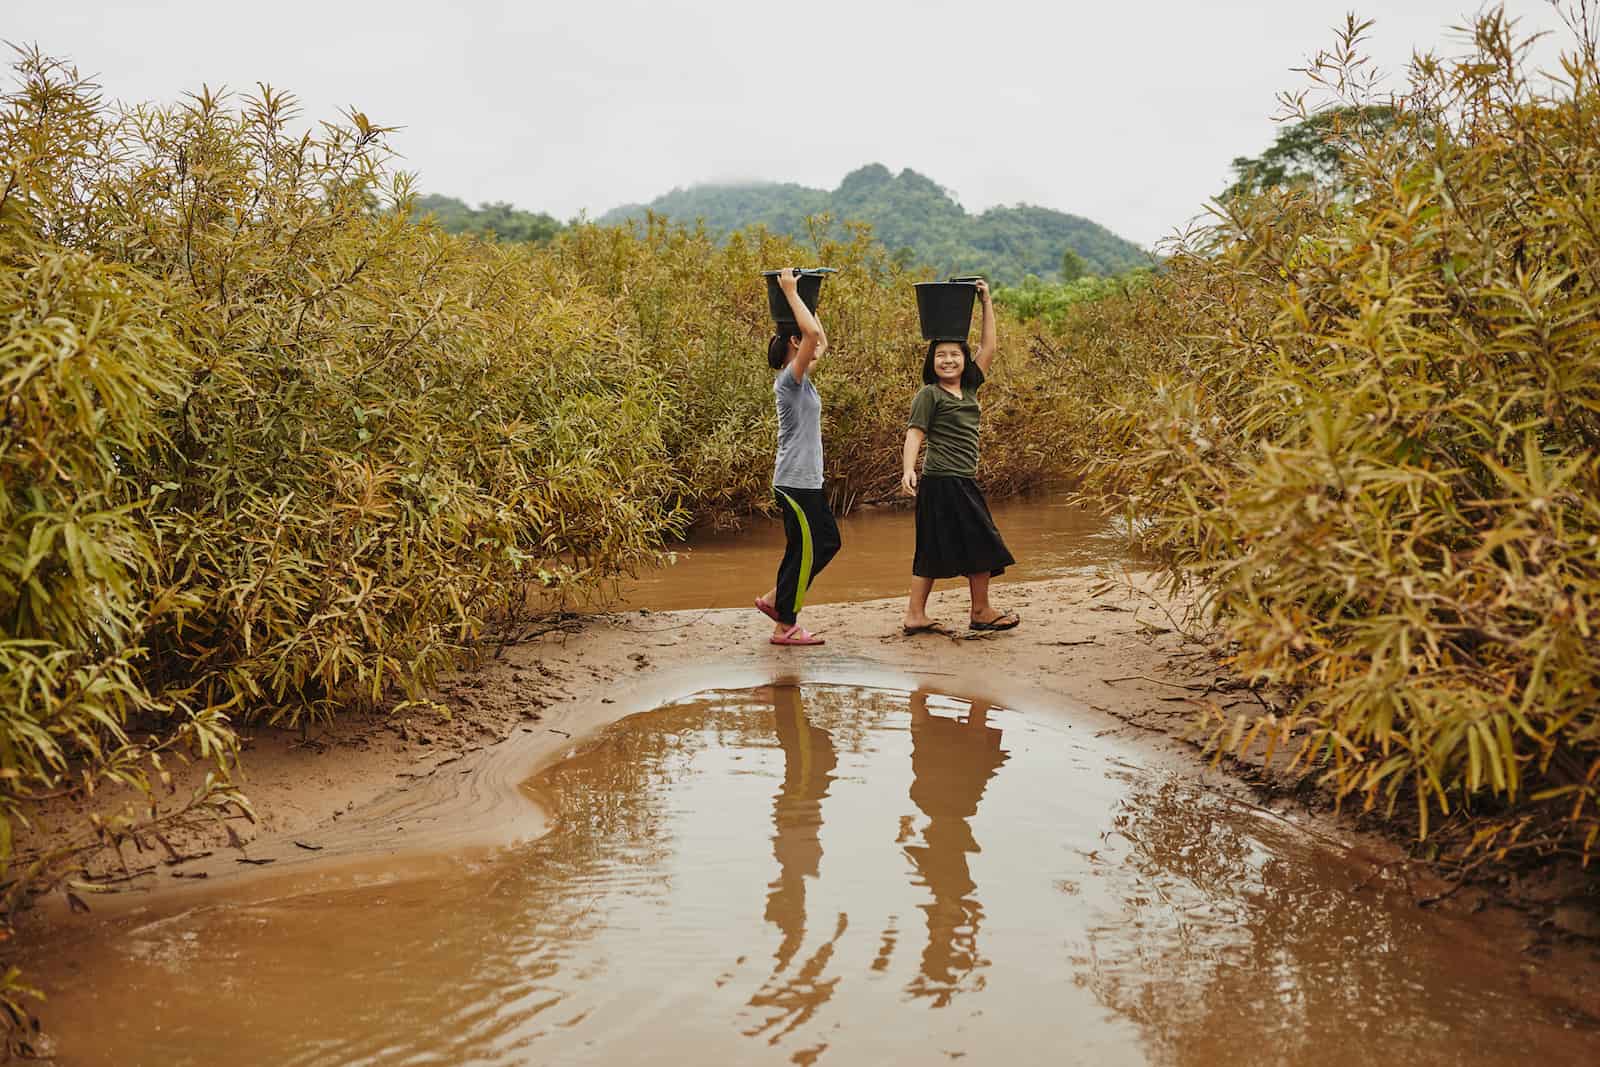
(956,535)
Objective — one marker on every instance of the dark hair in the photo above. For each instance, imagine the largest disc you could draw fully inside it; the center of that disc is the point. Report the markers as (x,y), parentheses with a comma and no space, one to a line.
(969,370)
(778,347)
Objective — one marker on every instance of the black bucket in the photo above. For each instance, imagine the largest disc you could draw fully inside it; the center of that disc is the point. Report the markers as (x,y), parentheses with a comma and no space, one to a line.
(808,284)
(945,308)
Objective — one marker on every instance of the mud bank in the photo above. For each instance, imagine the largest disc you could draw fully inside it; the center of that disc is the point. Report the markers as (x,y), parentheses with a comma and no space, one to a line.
(408,793)
(419,779)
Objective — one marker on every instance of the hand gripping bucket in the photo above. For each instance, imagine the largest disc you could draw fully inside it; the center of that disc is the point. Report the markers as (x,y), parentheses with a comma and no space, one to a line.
(809,286)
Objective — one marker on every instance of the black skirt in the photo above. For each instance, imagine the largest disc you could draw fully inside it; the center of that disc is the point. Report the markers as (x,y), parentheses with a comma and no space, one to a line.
(956,535)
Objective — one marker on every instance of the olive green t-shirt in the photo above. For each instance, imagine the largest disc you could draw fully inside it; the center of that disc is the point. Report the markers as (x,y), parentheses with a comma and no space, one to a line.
(952,428)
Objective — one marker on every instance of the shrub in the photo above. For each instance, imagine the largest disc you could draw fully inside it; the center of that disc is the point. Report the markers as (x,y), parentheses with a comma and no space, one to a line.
(1365,421)
(272,448)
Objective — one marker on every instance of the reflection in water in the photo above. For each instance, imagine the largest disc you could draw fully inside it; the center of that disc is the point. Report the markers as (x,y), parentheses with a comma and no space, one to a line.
(689,906)
(952,761)
(809,761)
(1220,907)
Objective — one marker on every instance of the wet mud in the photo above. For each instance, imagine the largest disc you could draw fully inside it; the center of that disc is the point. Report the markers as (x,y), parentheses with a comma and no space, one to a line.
(826,873)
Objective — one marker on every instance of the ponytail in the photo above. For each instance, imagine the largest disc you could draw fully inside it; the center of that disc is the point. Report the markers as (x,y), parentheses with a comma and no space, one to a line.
(778,348)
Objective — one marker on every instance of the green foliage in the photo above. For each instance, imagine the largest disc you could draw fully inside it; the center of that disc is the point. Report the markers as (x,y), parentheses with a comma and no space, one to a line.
(1311,149)
(905,211)
(1035,299)
(783,208)
(1072,266)
(1013,242)
(1369,426)
(498,220)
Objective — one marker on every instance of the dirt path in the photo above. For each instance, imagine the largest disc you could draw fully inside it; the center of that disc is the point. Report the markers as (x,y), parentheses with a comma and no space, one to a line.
(414,790)
(1113,655)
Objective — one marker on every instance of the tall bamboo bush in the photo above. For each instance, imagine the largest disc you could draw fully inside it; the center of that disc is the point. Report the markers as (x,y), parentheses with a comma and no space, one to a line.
(1367,422)
(272,449)
(269,449)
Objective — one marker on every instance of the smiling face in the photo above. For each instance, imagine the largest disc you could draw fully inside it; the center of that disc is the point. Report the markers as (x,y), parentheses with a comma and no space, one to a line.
(948,362)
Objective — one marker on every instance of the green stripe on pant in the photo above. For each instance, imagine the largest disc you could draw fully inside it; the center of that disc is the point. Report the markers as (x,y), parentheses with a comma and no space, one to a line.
(805,550)
(810,541)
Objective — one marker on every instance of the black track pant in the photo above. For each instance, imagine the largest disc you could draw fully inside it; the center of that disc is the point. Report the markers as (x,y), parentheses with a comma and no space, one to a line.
(811,541)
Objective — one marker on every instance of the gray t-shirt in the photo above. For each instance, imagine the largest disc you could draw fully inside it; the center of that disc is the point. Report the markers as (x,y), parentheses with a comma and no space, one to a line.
(799,464)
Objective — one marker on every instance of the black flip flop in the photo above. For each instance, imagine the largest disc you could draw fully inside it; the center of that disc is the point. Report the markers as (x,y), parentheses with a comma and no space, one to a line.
(931,628)
(999,623)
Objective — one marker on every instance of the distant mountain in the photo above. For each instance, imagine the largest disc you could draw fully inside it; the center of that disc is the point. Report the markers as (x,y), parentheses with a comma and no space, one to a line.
(500,219)
(911,214)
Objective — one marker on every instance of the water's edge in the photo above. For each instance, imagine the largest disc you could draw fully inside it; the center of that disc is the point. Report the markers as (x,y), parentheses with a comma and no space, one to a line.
(482,801)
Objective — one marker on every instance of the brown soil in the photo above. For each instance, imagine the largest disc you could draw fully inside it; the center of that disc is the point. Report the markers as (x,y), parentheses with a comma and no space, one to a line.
(417,782)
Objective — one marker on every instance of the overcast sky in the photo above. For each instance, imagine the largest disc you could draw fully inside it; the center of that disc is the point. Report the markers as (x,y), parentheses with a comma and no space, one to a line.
(1127,113)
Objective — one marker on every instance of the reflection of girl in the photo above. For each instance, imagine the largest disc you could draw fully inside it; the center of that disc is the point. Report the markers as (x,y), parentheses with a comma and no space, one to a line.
(811,537)
(951,764)
(808,765)
(956,535)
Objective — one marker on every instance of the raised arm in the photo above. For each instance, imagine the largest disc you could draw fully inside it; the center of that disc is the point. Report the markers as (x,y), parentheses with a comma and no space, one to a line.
(987,342)
(813,342)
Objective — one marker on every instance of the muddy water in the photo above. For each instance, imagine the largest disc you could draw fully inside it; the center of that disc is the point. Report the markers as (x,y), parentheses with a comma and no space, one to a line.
(1048,537)
(827,874)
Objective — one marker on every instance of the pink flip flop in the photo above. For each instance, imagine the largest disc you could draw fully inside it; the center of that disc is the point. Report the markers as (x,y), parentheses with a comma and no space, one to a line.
(767,609)
(797,635)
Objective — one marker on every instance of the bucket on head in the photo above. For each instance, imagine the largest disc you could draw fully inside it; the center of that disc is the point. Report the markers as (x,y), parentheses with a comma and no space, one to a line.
(945,308)
(808,284)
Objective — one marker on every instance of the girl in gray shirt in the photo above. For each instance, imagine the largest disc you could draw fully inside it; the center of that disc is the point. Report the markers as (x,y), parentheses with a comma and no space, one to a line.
(810,533)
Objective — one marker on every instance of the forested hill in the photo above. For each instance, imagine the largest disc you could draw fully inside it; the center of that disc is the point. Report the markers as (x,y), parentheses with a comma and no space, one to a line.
(500,219)
(914,216)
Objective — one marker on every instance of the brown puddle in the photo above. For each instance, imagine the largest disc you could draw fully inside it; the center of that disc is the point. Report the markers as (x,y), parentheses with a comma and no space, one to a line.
(1049,538)
(827,874)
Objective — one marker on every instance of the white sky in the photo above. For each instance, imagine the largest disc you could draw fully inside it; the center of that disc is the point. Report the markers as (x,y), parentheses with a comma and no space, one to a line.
(1127,113)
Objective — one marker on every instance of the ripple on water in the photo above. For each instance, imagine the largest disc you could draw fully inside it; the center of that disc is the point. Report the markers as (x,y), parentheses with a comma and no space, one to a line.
(842,875)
